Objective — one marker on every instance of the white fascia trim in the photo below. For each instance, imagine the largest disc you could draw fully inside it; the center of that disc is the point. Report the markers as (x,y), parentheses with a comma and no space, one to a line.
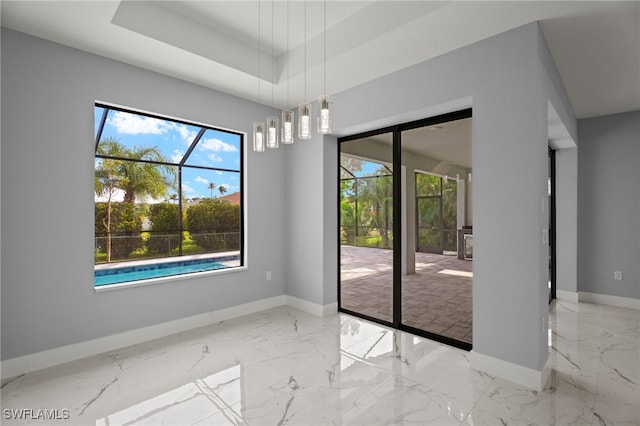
(524,376)
(36,361)
(605,299)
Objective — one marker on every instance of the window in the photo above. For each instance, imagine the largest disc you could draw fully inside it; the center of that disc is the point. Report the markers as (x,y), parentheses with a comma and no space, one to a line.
(168,197)
(366,203)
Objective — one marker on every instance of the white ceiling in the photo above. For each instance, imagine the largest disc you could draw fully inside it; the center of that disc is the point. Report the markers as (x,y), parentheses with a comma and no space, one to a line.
(448,143)
(596,45)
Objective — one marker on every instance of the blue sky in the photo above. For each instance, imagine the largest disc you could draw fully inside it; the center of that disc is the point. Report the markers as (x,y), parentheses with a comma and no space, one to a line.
(367,168)
(216,149)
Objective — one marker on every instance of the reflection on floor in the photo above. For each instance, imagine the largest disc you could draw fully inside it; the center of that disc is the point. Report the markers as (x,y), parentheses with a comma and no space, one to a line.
(437,298)
(287,367)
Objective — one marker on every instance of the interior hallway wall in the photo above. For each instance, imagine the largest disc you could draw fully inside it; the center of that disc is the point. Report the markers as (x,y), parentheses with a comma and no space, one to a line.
(609,205)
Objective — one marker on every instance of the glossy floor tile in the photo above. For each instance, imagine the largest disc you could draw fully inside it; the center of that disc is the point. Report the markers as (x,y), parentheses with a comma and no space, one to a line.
(284,366)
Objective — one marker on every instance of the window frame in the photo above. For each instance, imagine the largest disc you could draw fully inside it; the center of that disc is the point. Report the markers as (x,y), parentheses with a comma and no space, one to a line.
(241,171)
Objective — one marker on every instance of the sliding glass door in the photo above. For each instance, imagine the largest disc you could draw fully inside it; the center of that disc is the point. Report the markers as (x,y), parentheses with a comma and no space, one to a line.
(367,226)
(404,200)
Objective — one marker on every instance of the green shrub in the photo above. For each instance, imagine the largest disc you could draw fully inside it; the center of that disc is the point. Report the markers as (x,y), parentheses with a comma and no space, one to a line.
(163,235)
(209,220)
(126,226)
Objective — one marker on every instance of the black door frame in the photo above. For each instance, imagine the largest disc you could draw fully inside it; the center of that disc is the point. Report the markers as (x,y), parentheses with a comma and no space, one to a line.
(552,225)
(396,131)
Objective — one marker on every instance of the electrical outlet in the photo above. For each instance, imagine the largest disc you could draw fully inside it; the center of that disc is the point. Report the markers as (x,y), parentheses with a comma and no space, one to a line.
(268,275)
(617,275)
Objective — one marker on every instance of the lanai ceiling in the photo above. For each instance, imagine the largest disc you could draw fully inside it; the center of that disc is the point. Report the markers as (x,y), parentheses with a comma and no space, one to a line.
(596,45)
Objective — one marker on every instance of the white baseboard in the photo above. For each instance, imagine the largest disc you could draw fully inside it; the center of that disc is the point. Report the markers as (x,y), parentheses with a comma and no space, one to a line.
(36,361)
(569,296)
(527,377)
(312,308)
(605,299)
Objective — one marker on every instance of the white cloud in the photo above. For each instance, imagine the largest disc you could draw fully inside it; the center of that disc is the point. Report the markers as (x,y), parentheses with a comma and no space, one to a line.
(131,124)
(186,189)
(116,196)
(230,188)
(202,180)
(177,156)
(186,134)
(215,158)
(216,145)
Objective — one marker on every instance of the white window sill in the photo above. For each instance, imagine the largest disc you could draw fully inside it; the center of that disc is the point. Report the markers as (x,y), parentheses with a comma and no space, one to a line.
(171,278)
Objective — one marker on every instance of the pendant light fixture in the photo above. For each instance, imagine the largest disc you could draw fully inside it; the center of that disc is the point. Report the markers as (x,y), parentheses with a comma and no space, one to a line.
(258,136)
(258,127)
(271,133)
(304,113)
(324,116)
(287,115)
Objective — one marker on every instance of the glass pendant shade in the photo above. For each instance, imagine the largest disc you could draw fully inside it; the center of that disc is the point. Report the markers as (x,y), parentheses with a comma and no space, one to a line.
(304,124)
(324,117)
(287,127)
(258,137)
(272,132)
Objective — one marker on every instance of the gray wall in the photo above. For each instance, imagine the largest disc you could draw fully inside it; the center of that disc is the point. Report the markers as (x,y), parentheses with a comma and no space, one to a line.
(48,298)
(311,219)
(566,223)
(507,79)
(508,83)
(609,204)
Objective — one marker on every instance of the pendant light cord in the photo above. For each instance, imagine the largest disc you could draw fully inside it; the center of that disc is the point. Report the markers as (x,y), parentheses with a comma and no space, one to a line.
(305,51)
(273,66)
(259,50)
(325,47)
(288,54)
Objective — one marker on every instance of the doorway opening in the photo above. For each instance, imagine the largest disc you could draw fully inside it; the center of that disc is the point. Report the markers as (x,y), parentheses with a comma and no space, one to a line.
(405,215)
(436,213)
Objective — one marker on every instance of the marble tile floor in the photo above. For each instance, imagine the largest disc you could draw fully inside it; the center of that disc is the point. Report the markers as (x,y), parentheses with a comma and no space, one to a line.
(286,367)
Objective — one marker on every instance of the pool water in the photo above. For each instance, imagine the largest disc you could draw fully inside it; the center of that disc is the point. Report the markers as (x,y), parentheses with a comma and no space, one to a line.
(155,270)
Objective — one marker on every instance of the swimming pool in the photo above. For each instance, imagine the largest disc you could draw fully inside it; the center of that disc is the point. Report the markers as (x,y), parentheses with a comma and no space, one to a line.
(155,270)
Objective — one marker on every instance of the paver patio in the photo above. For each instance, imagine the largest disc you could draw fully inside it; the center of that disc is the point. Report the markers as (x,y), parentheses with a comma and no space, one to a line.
(437,298)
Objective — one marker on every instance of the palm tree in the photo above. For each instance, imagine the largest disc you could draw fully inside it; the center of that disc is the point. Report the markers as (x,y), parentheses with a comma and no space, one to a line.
(138,177)
(135,178)
(222,190)
(173,197)
(107,182)
(211,186)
